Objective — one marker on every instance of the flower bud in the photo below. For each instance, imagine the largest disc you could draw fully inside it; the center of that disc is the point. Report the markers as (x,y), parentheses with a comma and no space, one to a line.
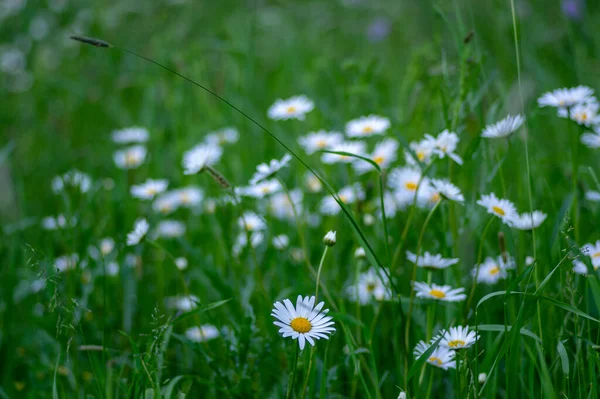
(329,238)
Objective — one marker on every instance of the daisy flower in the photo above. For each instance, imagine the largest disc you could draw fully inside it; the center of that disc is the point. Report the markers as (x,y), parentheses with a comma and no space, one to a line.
(351,147)
(593,251)
(170,229)
(579,267)
(250,221)
(369,287)
(199,157)
(203,333)
(112,269)
(241,241)
(366,126)
(347,195)
(493,270)
(131,157)
(281,242)
(312,183)
(321,140)
(586,113)
(502,208)
(260,190)
(140,228)
(184,303)
(104,248)
(439,292)
(423,150)
(447,190)
(430,261)
(293,108)
(228,135)
(591,140)
(181,263)
(166,203)
(504,128)
(264,170)
(445,144)
(74,179)
(383,155)
(58,222)
(405,181)
(592,196)
(149,188)
(66,262)
(457,338)
(305,322)
(390,206)
(188,196)
(528,221)
(128,135)
(564,98)
(441,357)
(280,207)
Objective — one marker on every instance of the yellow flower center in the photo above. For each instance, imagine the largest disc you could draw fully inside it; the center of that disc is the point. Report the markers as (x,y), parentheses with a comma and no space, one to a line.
(456,343)
(130,159)
(435,197)
(321,143)
(265,190)
(498,210)
(343,198)
(151,191)
(420,155)
(165,209)
(561,102)
(379,160)
(301,325)
(437,293)
(584,117)
(371,287)
(185,198)
(367,129)
(412,186)
(494,270)
(596,255)
(291,109)
(436,360)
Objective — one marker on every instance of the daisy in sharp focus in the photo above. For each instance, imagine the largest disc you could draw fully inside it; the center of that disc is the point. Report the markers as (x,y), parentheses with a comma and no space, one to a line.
(321,140)
(149,188)
(131,157)
(371,286)
(457,338)
(304,322)
(199,157)
(565,97)
(503,128)
(447,190)
(129,135)
(528,221)
(264,171)
(383,155)
(228,135)
(350,147)
(347,195)
(445,144)
(293,108)
(366,126)
(502,208)
(441,357)
(140,228)
(439,292)
(430,261)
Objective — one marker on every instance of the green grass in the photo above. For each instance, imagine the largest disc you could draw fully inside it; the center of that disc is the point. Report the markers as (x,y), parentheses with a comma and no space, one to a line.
(85,335)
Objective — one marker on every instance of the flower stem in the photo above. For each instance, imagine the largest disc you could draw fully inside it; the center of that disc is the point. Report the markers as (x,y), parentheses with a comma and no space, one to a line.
(292,378)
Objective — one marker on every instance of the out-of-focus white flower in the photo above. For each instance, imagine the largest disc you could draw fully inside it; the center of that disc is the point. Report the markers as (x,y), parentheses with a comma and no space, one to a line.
(199,157)
(445,144)
(170,229)
(366,126)
(166,203)
(129,135)
(566,97)
(321,140)
(371,286)
(423,150)
(112,269)
(447,190)
(312,183)
(503,128)
(149,188)
(58,222)
(592,196)
(241,241)
(261,190)
(384,154)
(293,108)
(280,207)
(359,253)
(431,261)
(591,139)
(130,157)
(281,242)
(405,181)
(593,251)
(350,147)
(347,195)
(203,333)
(250,221)
(74,179)
(140,229)
(188,196)
(579,267)
(228,135)
(66,262)
(482,377)
(264,171)
(586,113)
(528,221)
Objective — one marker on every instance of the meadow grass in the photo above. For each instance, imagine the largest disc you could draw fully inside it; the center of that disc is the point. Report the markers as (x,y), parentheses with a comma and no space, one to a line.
(88,311)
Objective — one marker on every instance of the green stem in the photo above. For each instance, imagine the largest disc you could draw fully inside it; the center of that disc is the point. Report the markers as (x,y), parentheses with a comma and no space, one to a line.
(292,377)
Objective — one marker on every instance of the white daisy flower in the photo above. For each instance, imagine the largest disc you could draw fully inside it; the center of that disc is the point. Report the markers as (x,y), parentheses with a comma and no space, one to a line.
(503,128)
(502,208)
(528,221)
(66,262)
(405,181)
(312,183)
(293,108)
(457,338)
(281,242)
(112,269)
(390,206)
(371,286)
(228,135)
(493,270)
(351,147)
(166,203)
(58,222)
(128,135)
(260,190)
(104,249)
(305,322)
(170,229)
(188,196)
(250,221)
(149,188)
(321,140)
(445,144)
(74,179)
(447,190)
(592,196)
(280,207)
(564,98)
(203,333)
(586,113)
(593,251)
(383,155)
(441,357)
(347,195)
(439,292)
(529,260)
(591,139)
(130,157)
(199,157)
(241,241)
(431,261)
(264,171)
(184,303)
(579,267)
(366,126)
(140,228)
(423,150)
(181,263)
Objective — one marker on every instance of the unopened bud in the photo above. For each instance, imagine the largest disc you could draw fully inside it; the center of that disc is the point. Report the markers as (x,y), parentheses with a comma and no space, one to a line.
(329,238)
(402,395)
(360,253)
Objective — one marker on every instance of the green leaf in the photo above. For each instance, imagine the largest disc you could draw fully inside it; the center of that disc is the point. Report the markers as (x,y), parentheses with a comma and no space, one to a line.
(54,387)
(200,310)
(423,358)
(569,308)
(168,389)
(501,328)
(349,154)
(564,357)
